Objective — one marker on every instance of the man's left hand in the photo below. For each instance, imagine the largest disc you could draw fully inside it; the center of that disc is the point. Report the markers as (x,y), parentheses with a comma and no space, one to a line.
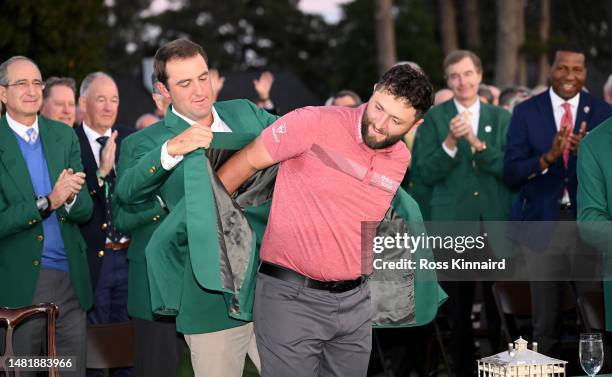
(574,139)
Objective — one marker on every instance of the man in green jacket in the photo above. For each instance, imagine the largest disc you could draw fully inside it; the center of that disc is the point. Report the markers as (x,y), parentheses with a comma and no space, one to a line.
(460,155)
(218,343)
(594,199)
(42,201)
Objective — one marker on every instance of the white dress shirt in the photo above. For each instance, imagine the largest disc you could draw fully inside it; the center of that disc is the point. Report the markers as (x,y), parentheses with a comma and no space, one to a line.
(475,110)
(92,137)
(558,110)
(218,125)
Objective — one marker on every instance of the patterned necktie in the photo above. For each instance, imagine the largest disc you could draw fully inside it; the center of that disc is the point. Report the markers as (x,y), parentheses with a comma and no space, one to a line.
(111,232)
(566,121)
(32,135)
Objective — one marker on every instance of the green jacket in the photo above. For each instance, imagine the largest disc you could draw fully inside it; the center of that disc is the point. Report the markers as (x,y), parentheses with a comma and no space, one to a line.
(139,221)
(141,178)
(21,233)
(197,250)
(470,186)
(594,199)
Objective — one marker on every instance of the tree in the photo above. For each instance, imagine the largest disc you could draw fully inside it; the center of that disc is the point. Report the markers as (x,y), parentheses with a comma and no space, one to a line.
(471,24)
(43,31)
(543,33)
(448,26)
(508,41)
(385,35)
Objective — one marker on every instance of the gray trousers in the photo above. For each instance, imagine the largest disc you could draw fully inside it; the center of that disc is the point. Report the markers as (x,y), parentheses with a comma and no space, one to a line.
(304,332)
(30,337)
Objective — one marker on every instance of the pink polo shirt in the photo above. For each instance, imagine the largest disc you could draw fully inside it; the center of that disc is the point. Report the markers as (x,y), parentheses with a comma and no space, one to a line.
(328,182)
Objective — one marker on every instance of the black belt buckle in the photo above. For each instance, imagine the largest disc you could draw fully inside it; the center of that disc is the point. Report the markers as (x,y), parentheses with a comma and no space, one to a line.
(343,286)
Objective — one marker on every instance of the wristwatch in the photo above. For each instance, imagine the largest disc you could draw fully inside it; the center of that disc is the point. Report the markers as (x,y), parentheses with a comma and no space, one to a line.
(43,204)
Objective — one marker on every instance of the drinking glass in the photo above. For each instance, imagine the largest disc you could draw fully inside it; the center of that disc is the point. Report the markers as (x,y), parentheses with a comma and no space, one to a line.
(591,353)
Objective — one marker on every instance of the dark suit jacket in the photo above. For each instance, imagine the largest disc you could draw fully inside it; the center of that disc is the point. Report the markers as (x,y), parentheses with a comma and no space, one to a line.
(94,231)
(21,230)
(532,130)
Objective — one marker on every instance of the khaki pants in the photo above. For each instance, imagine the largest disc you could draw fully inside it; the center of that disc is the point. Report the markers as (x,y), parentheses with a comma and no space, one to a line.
(222,353)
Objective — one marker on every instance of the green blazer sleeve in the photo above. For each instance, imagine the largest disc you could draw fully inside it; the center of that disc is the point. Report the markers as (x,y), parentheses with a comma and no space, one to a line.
(431,161)
(141,171)
(129,217)
(592,197)
(82,209)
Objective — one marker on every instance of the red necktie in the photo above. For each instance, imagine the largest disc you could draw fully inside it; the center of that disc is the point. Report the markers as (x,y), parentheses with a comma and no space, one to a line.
(566,121)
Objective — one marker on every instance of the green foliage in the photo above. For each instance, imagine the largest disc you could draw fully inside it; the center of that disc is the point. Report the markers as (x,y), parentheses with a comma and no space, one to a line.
(66,38)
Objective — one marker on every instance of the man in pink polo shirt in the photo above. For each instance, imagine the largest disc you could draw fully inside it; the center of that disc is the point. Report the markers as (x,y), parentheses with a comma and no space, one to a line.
(338,167)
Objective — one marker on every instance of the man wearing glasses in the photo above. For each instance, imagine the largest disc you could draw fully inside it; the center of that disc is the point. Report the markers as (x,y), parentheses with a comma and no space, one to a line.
(42,199)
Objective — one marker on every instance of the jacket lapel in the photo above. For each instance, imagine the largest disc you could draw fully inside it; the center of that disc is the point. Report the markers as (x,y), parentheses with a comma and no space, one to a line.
(486,128)
(53,149)
(13,161)
(583,112)
(547,121)
(174,123)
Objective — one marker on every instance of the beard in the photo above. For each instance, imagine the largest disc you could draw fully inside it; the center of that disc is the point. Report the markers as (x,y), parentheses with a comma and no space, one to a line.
(371,142)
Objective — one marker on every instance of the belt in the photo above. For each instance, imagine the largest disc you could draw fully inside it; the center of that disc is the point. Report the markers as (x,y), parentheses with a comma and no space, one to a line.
(286,274)
(117,245)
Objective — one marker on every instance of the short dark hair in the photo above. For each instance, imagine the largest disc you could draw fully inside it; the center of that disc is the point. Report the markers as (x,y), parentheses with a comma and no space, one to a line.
(458,55)
(567,47)
(484,91)
(57,81)
(410,85)
(348,93)
(177,49)
(508,94)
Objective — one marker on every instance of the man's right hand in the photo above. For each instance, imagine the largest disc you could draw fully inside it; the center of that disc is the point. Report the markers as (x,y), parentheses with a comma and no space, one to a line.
(196,136)
(457,129)
(559,143)
(67,185)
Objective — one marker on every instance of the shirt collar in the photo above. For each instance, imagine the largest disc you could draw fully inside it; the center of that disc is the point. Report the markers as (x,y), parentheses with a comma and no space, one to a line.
(216,119)
(474,108)
(558,101)
(92,135)
(19,128)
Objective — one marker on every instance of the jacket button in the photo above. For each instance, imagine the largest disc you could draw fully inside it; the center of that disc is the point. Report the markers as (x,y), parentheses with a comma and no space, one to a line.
(152,169)
(92,192)
(40,237)
(476,193)
(100,253)
(156,217)
(35,262)
(104,226)
(62,219)
(32,222)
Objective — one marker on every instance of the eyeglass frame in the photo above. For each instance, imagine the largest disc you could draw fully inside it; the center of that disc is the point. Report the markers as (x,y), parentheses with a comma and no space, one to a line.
(24,84)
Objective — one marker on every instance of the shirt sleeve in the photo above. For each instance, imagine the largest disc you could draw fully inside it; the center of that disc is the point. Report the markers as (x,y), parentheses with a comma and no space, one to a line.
(451,152)
(168,162)
(292,134)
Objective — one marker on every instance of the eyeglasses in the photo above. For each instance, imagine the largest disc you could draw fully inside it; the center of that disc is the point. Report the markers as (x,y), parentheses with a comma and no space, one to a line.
(25,84)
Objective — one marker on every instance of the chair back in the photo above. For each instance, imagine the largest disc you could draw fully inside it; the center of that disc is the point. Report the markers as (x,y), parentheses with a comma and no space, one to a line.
(15,316)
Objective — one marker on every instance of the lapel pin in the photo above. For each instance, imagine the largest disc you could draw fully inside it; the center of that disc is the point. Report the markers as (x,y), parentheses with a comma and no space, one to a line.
(488,129)
(586,109)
